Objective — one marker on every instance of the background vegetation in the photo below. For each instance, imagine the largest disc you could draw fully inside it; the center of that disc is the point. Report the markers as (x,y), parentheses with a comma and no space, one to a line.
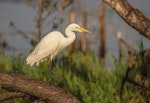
(77,70)
(80,74)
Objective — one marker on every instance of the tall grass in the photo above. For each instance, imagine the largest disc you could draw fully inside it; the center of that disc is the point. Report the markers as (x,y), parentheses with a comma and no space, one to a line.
(79,73)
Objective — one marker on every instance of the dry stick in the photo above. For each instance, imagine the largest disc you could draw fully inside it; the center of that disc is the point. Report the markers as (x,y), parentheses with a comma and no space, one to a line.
(132,58)
(119,36)
(53,19)
(85,39)
(49,12)
(72,20)
(137,84)
(81,39)
(54,8)
(67,3)
(123,83)
(126,78)
(18,30)
(120,47)
(102,32)
(42,19)
(39,21)
(121,40)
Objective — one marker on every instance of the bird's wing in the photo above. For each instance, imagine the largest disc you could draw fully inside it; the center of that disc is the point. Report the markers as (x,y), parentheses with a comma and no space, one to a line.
(46,47)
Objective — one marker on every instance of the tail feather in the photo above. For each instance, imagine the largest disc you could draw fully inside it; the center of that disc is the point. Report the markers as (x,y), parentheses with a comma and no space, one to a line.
(31,60)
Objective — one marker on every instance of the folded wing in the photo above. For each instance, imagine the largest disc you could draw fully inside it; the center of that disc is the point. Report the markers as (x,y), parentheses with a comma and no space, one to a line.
(44,49)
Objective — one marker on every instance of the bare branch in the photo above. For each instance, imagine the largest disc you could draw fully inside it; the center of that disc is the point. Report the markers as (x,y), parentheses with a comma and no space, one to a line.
(39,21)
(123,83)
(131,15)
(131,65)
(102,46)
(17,29)
(126,44)
(54,5)
(137,84)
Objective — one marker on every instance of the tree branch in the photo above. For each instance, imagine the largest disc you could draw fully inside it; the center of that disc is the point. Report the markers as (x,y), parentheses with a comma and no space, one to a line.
(48,93)
(132,16)
(66,4)
(12,24)
(11,95)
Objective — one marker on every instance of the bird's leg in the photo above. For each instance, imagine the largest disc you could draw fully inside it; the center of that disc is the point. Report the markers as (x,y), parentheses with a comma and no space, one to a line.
(50,69)
(59,76)
(50,66)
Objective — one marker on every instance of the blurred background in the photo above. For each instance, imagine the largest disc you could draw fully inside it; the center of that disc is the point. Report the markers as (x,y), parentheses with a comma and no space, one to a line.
(21,21)
(91,68)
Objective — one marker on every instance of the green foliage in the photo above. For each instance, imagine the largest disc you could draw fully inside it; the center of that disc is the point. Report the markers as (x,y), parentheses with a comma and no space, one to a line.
(79,73)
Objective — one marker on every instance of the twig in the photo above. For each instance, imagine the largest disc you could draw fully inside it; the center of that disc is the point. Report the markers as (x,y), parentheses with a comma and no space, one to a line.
(18,30)
(50,11)
(123,83)
(39,21)
(102,47)
(132,59)
(126,44)
(54,5)
(67,3)
(137,84)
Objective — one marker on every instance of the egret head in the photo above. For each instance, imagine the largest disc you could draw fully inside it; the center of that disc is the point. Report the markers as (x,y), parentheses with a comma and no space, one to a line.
(76,27)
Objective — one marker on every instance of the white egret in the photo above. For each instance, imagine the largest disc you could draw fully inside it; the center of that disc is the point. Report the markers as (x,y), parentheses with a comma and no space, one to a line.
(52,44)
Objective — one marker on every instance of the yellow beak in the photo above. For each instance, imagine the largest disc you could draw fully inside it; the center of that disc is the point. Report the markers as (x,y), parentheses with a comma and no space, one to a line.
(84,30)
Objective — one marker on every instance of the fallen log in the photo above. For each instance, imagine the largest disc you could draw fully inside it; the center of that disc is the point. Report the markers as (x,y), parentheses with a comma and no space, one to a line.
(41,91)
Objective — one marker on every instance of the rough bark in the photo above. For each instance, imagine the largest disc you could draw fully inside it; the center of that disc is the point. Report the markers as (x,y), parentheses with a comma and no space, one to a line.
(41,91)
(132,16)
(11,95)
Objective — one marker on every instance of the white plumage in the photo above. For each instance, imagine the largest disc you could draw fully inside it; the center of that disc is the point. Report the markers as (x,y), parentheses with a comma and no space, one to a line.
(52,44)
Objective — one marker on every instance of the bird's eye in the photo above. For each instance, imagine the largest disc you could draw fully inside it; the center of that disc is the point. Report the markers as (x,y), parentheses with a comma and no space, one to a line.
(77,27)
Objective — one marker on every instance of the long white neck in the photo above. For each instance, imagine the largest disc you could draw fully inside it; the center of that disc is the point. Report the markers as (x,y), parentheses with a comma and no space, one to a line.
(70,37)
